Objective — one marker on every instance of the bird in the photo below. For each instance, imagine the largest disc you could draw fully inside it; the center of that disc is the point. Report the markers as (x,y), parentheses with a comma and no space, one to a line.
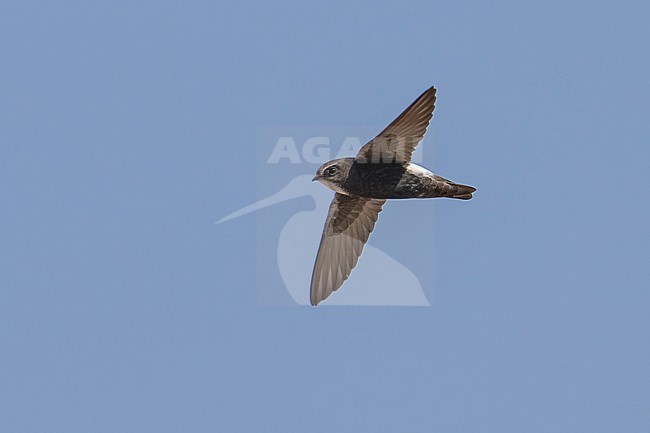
(382,170)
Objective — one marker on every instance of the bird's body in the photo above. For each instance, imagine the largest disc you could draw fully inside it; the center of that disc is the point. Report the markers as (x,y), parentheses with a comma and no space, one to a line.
(395,181)
(381,170)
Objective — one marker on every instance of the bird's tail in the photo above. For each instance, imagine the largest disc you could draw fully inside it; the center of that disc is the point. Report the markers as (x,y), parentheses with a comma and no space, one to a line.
(456,190)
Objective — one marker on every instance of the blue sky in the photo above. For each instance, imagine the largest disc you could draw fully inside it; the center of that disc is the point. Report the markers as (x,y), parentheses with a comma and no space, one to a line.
(127,129)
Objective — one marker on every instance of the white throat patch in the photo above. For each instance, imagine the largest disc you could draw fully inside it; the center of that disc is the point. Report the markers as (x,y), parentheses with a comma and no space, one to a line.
(332,186)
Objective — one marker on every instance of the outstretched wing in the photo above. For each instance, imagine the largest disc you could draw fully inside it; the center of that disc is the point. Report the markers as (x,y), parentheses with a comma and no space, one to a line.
(396,143)
(347,227)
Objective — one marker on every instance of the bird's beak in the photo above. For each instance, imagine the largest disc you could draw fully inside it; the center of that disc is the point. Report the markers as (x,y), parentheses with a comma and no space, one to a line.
(315,178)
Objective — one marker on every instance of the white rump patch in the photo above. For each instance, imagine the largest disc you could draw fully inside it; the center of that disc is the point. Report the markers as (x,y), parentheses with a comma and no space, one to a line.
(417,170)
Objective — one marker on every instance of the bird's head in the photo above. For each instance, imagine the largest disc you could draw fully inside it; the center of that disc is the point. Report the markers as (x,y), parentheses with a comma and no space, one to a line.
(334,173)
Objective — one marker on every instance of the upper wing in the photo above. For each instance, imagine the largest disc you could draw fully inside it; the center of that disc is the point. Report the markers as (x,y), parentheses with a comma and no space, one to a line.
(347,227)
(396,143)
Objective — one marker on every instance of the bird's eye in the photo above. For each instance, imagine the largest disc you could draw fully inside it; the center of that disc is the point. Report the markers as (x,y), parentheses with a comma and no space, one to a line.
(331,171)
